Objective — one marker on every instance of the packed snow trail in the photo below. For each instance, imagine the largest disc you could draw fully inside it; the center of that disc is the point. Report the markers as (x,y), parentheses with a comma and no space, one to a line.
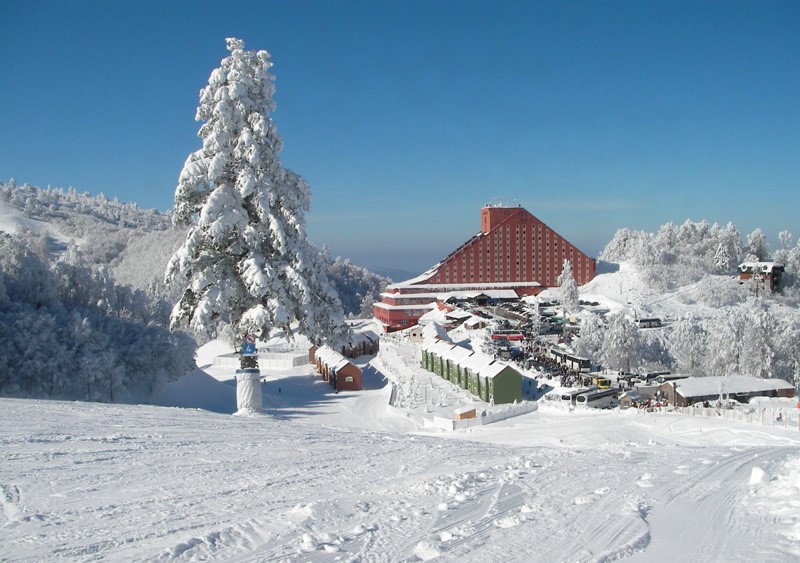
(81,481)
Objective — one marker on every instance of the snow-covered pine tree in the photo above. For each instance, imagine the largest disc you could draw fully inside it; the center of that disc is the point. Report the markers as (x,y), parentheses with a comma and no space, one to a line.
(568,289)
(722,260)
(247,260)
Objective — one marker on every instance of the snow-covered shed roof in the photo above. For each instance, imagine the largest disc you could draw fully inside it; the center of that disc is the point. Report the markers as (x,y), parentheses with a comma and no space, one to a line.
(474,321)
(458,314)
(367,335)
(465,409)
(709,386)
(331,358)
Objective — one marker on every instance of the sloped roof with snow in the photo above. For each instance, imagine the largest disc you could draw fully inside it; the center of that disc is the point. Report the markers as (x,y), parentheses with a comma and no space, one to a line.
(458,314)
(765,267)
(476,362)
(456,354)
(433,331)
(331,358)
(709,386)
(465,409)
(367,335)
(474,321)
(494,369)
(439,347)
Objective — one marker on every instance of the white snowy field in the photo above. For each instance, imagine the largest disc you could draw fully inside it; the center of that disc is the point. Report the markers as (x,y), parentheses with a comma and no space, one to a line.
(342,477)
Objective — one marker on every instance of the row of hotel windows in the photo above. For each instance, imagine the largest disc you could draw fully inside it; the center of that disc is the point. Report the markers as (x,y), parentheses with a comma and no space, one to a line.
(405,301)
(468,269)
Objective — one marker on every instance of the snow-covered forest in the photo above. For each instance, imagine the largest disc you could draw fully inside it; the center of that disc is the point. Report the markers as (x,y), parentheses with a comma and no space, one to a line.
(358,287)
(84,312)
(718,326)
(677,255)
(68,330)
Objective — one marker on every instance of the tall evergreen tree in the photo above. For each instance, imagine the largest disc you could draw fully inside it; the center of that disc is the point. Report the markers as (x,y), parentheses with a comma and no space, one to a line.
(722,260)
(246,259)
(568,289)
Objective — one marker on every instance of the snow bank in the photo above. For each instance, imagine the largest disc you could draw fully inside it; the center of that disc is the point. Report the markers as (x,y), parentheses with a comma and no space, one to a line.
(197,390)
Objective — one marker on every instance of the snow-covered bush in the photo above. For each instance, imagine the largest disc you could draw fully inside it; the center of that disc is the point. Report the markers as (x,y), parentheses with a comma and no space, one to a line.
(716,291)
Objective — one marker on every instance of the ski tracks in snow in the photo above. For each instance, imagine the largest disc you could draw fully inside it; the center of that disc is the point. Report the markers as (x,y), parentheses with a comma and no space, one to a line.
(698,512)
(144,483)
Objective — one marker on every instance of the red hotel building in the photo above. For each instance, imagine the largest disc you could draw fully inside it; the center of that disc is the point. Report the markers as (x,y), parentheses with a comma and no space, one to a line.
(513,250)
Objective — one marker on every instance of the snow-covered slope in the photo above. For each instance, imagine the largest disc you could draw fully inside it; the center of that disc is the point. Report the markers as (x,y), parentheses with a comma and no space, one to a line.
(11,221)
(323,477)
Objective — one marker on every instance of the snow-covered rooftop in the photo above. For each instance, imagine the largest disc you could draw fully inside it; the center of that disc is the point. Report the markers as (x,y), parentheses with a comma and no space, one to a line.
(493,369)
(403,307)
(705,386)
(433,331)
(476,362)
(465,409)
(439,347)
(765,267)
(450,287)
(458,314)
(456,354)
(331,358)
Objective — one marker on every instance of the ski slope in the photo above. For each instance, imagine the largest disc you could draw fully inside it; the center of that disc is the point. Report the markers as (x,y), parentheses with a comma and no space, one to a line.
(343,477)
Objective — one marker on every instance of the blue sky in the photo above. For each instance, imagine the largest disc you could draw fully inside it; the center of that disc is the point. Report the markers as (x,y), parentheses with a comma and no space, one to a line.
(407,117)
